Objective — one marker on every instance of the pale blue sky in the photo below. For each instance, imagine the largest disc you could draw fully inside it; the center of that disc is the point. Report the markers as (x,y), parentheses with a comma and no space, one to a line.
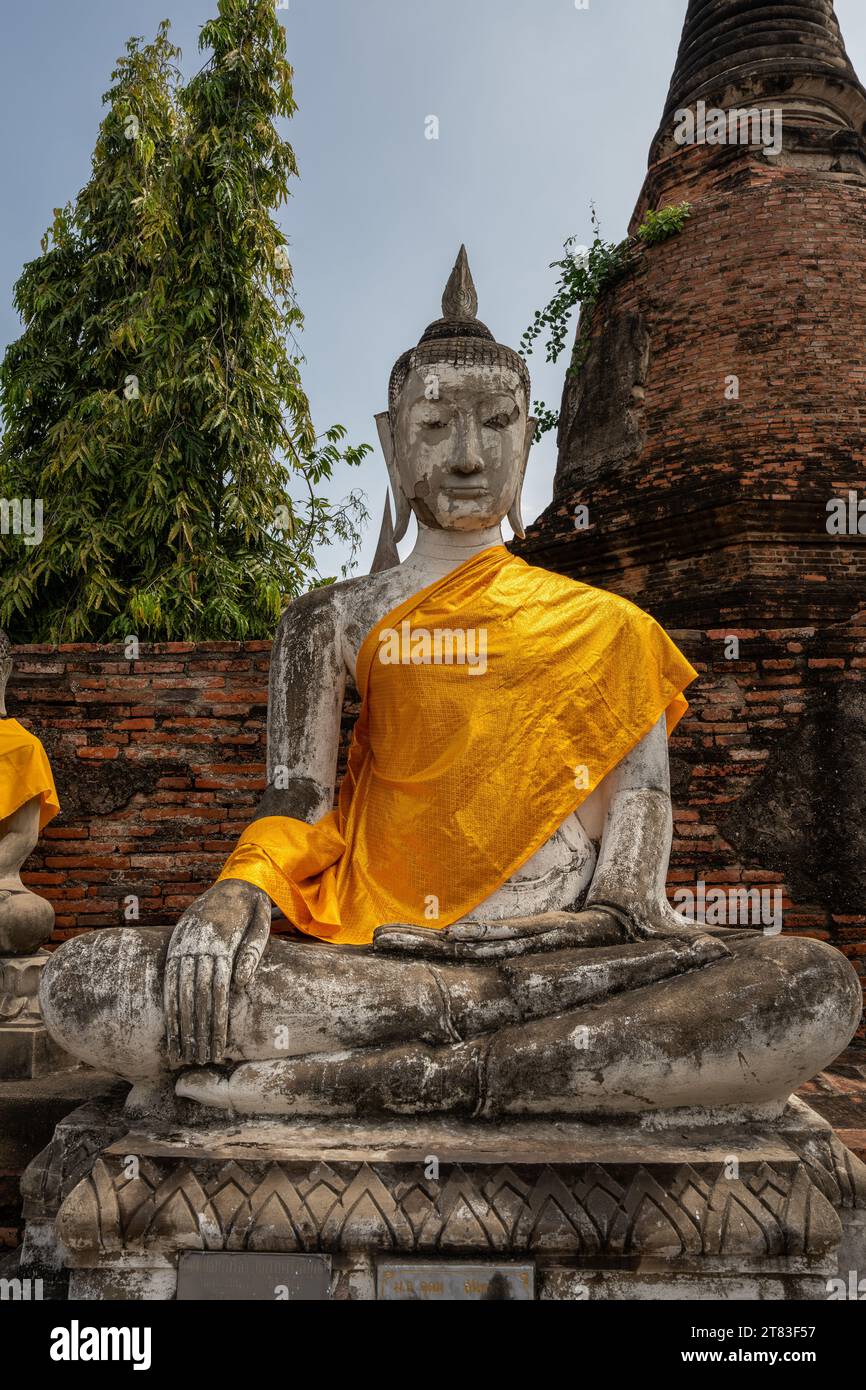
(543,108)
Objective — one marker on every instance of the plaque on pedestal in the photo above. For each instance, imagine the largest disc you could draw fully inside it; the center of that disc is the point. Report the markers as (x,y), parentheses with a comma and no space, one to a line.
(406,1281)
(240,1276)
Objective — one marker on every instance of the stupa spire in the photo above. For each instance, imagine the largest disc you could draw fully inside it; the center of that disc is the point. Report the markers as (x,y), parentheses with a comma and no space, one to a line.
(749,45)
(786,64)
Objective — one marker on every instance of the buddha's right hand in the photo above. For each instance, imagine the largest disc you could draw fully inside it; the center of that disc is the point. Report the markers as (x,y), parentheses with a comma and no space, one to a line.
(217,944)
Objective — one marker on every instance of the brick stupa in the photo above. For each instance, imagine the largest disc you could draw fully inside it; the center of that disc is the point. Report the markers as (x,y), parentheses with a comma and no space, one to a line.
(708,497)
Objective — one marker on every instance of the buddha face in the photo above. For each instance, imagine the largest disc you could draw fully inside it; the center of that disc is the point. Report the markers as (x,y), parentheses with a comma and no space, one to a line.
(460,440)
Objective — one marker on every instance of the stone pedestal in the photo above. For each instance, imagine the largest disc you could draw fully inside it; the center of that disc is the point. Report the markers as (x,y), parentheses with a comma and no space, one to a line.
(68,1157)
(751,1211)
(30,1111)
(26,1049)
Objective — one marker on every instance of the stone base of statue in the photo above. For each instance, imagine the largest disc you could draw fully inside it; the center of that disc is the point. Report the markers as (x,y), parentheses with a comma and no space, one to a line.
(752,1210)
(26,1048)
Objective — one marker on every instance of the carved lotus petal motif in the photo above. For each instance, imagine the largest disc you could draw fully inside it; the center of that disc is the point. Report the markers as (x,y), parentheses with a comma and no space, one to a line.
(467,1219)
(132,1196)
(368,1217)
(652,1222)
(172,1219)
(555,1220)
(740,1223)
(600,1195)
(227,1211)
(278,1207)
(418,1201)
(322,1191)
(274,1228)
(508,1195)
(666,1211)
(690,1191)
(89,1217)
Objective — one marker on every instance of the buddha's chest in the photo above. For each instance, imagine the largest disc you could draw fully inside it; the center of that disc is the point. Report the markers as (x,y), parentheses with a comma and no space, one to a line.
(371,604)
(367,609)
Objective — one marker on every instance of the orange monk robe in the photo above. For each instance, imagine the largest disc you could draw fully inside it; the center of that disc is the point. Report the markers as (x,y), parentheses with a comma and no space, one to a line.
(460,770)
(25,772)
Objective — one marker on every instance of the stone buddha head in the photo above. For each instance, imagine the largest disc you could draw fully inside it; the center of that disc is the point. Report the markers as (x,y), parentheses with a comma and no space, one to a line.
(457,432)
(5,669)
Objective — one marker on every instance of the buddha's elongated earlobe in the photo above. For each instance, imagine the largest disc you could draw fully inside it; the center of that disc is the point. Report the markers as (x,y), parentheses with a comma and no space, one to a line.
(402,510)
(387,555)
(515,519)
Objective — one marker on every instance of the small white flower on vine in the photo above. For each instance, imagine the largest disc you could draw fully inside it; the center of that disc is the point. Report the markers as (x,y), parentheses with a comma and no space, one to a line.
(580,256)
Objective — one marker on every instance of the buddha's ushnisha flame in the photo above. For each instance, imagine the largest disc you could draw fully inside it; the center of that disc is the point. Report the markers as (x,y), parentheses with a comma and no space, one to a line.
(458,338)
(460,300)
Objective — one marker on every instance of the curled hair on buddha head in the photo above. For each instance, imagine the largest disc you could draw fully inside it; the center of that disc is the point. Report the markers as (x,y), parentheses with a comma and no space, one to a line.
(5,647)
(458,339)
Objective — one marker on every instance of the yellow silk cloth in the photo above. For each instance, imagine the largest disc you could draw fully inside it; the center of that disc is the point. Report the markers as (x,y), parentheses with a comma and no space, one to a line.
(25,772)
(458,773)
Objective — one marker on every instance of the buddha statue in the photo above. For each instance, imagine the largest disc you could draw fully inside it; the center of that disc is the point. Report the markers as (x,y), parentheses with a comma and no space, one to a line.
(28,801)
(480,926)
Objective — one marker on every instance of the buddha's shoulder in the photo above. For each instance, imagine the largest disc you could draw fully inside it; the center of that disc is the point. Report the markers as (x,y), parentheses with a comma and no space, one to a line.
(14,737)
(553,588)
(343,603)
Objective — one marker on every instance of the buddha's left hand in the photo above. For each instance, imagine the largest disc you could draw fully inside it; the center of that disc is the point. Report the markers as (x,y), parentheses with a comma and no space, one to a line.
(551,931)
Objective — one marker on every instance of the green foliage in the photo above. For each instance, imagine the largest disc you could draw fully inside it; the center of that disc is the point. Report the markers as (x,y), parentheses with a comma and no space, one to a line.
(658,226)
(584,274)
(154,399)
(545,418)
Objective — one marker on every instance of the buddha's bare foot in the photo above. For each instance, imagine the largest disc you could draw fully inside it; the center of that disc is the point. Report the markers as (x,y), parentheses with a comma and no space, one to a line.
(207,1085)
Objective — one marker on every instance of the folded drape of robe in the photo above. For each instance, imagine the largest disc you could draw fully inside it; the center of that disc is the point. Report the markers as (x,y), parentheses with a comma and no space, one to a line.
(493,702)
(25,772)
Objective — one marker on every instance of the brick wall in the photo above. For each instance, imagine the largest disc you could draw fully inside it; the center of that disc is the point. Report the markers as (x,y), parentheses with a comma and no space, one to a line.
(158,762)
(767,775)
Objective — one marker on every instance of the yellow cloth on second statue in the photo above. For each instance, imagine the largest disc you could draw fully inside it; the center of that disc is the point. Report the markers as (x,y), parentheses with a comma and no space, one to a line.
(459,771)
(25,772)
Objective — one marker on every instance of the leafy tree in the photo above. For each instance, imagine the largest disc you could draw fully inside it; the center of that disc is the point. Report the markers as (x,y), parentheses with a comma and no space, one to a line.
(68,438)
(154,399)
